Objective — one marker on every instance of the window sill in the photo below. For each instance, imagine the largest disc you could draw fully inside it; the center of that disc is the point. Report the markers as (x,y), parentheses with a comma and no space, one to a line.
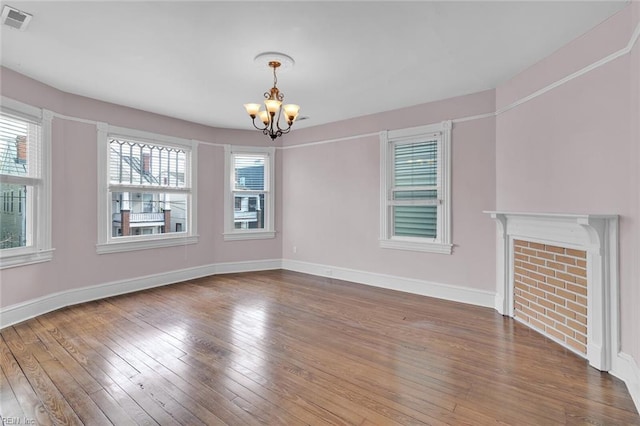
(249,235)
(429,247)
(145,244)
(22,259)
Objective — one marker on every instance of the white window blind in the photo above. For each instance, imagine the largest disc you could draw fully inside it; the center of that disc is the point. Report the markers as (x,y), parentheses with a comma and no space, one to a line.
(19,146)
(415,191)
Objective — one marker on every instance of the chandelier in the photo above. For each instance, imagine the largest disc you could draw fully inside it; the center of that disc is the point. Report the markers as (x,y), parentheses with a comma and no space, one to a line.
(270,116)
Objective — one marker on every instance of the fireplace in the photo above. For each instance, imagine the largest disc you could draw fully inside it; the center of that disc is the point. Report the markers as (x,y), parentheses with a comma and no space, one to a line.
(557,273)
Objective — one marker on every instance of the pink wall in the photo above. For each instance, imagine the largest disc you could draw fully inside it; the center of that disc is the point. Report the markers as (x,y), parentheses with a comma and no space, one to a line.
(331,209)
(575,148)
(74,182)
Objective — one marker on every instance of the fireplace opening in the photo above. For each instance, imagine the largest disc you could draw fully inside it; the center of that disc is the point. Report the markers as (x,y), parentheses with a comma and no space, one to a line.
(550,292)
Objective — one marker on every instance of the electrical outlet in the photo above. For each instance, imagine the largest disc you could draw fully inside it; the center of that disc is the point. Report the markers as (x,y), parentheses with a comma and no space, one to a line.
(295,249)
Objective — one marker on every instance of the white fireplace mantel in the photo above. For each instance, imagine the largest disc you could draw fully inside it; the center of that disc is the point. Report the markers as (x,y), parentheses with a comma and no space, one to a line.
(595,234)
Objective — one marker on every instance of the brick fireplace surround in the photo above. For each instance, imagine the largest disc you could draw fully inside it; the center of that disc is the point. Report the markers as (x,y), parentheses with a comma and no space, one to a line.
(557,273)
(550,291)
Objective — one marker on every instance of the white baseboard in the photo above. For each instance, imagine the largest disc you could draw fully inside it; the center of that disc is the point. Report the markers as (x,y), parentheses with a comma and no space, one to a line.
(407,285)
(498,305)
(23,311)
(626,368)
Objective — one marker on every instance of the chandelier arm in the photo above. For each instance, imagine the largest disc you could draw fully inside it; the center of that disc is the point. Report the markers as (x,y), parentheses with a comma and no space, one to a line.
(253,121)
(278,119)
(281,129)
(285,131)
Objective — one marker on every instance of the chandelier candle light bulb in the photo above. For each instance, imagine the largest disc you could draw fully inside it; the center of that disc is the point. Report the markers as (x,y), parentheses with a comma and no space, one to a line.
(252,109)
(270,116)
(264,117)
(291,112)
(272,106)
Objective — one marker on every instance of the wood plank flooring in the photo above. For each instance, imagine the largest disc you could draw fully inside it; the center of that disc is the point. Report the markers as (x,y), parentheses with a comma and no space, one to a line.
(282,348)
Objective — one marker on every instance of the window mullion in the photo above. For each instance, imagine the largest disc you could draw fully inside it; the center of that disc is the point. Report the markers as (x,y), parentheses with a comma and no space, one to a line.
(415,188)
(147,188)
(20,180)
(429,202)
(249,192)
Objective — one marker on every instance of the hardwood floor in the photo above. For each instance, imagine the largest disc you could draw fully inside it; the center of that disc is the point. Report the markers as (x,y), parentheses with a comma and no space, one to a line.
(282,348)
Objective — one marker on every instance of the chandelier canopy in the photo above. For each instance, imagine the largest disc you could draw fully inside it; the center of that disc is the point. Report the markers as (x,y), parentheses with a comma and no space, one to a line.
(270,116)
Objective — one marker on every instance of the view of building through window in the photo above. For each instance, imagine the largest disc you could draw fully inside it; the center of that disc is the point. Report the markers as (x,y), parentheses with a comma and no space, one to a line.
(249,192)
(19,141)
(147,184)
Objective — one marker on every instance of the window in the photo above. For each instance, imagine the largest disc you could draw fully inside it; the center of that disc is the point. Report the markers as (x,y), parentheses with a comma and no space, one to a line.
(146,190)
(25,218)
(415,189)
(249,199)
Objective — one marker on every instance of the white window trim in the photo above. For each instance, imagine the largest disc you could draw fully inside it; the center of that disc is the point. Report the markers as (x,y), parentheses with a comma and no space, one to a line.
(230,233)
(108,244)
(443,243)
(40,250)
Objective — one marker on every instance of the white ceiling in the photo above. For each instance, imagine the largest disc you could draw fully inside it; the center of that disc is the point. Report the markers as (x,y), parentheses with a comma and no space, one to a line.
(194,60)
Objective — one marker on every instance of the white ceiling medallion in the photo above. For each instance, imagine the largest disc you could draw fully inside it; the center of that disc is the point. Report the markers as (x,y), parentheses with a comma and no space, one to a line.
(264,59)
(15,18)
